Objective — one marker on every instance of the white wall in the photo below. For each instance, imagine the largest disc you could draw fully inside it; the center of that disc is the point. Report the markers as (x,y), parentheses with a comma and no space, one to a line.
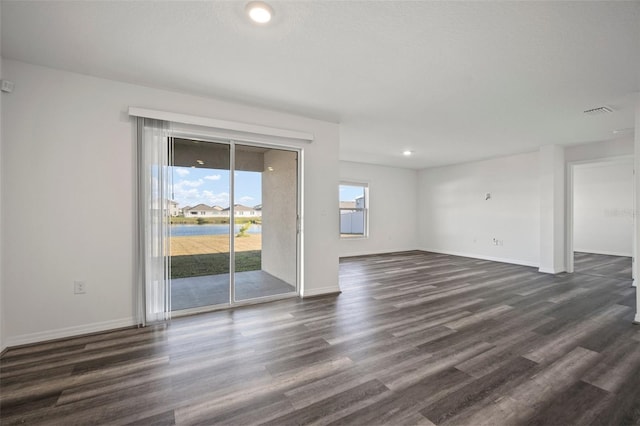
(603,208)
(392,209)
(69,146)
(597,150)
(279,210)
(455,218)
(552,193)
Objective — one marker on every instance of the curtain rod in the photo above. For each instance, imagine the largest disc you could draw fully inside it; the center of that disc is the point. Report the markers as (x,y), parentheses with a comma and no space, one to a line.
(220,124)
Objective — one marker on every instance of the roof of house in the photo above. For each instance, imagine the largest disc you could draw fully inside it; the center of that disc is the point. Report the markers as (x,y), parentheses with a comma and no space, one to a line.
(347,204)
(240,208)
(201,207)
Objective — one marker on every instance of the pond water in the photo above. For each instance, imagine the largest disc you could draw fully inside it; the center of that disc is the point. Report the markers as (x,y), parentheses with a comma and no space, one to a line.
(209,229)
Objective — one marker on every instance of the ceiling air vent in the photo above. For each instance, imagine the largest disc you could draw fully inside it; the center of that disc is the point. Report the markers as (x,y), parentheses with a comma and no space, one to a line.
(598,111)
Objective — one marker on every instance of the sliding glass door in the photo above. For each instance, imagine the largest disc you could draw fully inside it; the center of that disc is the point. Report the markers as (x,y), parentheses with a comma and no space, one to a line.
(233,223)
(200,230)
(266,218)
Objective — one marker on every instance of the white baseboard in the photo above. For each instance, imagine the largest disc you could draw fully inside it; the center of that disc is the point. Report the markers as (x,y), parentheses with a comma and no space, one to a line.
(606,253)
(320,291)
(60,333)
(483,257)
(374,252)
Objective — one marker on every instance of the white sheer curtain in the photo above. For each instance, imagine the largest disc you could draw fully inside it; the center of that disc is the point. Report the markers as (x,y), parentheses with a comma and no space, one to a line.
(154,156)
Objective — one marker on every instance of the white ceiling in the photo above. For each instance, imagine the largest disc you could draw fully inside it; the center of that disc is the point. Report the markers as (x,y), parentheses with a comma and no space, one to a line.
(453,81)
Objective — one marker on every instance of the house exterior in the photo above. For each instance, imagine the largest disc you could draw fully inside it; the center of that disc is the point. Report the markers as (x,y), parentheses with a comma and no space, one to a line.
(244,211)
(172,206)
(347,205)
(203,210)
(218,211)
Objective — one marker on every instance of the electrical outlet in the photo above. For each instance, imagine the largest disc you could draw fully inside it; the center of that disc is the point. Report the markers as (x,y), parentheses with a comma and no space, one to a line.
(79,287)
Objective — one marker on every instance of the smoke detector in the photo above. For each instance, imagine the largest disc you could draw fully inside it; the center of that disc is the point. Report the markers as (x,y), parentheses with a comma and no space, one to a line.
(598,110)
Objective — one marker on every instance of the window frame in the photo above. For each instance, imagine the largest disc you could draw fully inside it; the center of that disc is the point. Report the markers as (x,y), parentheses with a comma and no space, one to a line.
(365,187)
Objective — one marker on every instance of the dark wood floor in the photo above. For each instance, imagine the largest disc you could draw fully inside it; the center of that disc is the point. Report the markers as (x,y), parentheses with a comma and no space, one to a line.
(602,265)
(415,338)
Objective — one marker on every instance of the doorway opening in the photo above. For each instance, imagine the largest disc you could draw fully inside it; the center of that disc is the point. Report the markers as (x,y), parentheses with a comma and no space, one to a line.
(600,218)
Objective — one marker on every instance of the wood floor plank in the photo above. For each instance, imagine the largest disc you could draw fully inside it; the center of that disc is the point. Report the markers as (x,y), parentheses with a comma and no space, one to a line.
(163,419)
(525,400)
(414,372)
(558,344)
(403,406)
(578,404)
(334,407)
(619,362)
(326,387)
(469,396)
(414,338)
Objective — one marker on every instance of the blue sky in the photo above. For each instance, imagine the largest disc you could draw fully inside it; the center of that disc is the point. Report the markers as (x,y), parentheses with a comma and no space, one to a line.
(350,193)
(193,186)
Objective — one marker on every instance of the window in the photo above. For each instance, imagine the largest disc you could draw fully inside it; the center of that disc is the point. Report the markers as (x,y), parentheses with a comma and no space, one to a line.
(354,210)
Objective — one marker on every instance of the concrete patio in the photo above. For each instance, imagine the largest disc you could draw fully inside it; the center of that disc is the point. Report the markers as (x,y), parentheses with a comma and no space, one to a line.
(209,290)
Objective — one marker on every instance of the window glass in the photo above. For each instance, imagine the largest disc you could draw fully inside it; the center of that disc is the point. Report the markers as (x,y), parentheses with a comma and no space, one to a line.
(354,210)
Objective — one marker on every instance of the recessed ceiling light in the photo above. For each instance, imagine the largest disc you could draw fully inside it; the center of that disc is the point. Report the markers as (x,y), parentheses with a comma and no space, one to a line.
(259,12)
(407,153)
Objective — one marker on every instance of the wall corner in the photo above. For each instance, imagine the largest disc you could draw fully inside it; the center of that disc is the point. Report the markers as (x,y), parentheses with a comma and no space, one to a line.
(552,209)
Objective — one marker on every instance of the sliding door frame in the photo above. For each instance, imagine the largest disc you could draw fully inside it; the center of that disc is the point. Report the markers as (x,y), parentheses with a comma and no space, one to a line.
(232,141)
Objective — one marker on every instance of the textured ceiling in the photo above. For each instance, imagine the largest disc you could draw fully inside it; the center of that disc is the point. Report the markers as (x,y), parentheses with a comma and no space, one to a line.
(452,81)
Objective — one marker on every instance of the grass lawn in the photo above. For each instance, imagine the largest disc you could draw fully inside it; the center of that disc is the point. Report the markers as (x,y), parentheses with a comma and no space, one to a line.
(214,263)
(213,244)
